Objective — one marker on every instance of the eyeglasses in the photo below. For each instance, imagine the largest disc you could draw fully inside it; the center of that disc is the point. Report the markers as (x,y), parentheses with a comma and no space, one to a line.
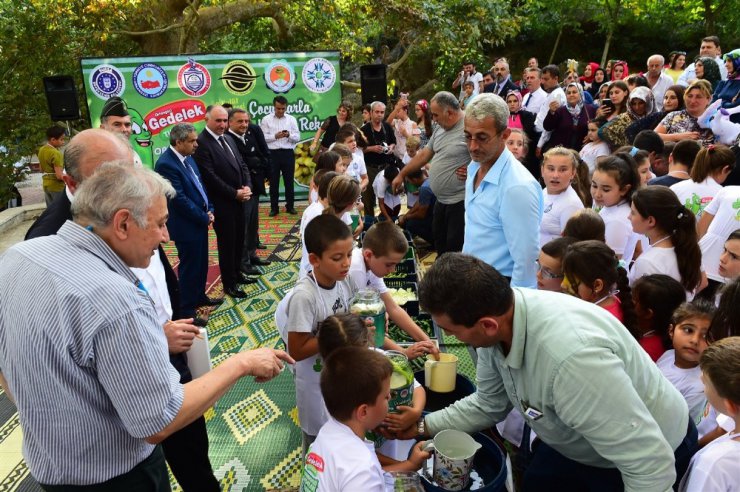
(546,272)
(479,139)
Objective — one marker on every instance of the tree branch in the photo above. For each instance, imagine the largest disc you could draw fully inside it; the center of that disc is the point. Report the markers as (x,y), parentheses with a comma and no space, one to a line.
(217,16)
(398,63)
(151,32)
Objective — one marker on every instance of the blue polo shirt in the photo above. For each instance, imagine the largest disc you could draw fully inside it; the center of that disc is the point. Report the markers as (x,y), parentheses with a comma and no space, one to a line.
(502,219)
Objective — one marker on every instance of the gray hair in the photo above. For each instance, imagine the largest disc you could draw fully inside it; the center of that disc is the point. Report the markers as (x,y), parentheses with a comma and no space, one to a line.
(180,132)
(116,186)
(488,105)
(447,100)
(658,57)
(503,62)
(234,111)
(72,157)
(375,104)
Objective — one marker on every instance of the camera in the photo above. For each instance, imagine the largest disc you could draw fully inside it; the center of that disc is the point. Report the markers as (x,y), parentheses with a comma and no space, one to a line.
(386,149)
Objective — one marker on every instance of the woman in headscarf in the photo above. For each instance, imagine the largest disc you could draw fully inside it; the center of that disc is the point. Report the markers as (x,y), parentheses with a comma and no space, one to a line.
(707,69)
(729,90)
(599,80)
(569,123)
(672,101)
(589,73)
(641,103)
(518,117)
(620,70)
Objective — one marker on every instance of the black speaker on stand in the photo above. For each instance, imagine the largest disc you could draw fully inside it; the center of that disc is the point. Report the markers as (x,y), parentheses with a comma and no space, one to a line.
(61,96)
(373,83)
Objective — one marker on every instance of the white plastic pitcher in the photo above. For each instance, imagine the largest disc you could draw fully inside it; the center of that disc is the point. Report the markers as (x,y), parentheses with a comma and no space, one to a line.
(440,375)
(453,458)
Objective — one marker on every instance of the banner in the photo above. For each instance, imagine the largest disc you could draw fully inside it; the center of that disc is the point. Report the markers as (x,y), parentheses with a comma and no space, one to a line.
(161,91)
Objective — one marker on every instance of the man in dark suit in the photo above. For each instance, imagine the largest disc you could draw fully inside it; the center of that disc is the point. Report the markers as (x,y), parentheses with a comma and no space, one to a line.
(251,153)
(190,214)
(226,180)
(502,83)
(186,450)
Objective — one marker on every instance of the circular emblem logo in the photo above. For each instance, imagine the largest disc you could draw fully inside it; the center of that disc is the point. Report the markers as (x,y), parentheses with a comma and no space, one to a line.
(193,79)
(150,80)
(107,81)
(319,75)
(239,77)
(279,76)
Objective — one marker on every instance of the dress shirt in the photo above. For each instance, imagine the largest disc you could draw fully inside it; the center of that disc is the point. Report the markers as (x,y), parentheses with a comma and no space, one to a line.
(603,402)
(90,371)
(271,126)
(533,101)
(222,142)
(189,169)
(155,283)
(502,219)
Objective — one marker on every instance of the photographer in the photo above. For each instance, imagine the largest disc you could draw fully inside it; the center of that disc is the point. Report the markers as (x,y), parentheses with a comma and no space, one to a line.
(469,73)
(381,141)
(403,126)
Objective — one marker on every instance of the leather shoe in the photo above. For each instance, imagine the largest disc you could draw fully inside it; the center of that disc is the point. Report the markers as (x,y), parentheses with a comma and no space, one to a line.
(261,245)
(198,321)
(259,261)
(243,279)
(234,292)
(210,301)
(250,271)
(273,213)
(291,211)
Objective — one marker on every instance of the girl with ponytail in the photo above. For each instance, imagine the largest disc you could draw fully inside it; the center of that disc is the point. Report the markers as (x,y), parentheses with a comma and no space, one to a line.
(671,229)
(711,167)
(593,273)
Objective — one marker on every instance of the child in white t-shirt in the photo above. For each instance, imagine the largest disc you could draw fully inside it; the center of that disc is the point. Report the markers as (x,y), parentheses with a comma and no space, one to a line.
(356,168)
(330,161)
(560,199)
(715,467)
(711,167)
(719,220)
(355,384)
(688,333)
(595,148)
(389,203)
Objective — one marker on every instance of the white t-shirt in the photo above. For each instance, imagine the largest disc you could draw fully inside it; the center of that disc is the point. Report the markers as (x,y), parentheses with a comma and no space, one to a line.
(592,151)
(313,195)
(696,196)
(687,382)
(726,220)
(363,277)
(618,227)
(657,260)
(382,188)
(357,169)
(715,467)
(558,209)
(338,460)
(308,305)
(400,149)
(311,212)
(155,283)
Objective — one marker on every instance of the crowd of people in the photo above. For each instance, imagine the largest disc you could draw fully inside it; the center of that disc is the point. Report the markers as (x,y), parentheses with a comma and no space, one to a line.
(588,241)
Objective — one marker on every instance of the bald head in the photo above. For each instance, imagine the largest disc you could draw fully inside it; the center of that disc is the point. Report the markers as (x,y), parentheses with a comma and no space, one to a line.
(88,150)
(217,119)
(655,65)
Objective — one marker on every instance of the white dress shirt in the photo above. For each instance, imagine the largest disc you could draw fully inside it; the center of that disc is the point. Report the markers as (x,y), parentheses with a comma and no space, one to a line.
(271,126)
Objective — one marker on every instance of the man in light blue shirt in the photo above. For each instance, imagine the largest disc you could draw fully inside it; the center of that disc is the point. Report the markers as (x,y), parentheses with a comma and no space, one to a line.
(503,202)
(607,418)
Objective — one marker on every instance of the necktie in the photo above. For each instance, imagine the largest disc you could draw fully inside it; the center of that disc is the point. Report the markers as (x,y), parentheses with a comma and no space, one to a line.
(225,146)
(529,98)
(196,180)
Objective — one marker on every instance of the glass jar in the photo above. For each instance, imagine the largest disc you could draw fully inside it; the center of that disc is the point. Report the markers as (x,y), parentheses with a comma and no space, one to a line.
(368,305)
(402,381)
(406,482)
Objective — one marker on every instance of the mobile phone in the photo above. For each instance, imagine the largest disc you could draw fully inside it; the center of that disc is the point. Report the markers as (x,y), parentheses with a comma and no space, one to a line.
(607,103)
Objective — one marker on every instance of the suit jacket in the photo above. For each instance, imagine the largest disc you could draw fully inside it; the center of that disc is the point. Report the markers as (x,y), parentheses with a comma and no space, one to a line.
(509,86)
(223,173)
(255,154)
(188,209)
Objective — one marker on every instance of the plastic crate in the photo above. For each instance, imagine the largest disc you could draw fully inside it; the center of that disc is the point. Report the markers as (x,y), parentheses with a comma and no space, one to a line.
(410,253)
(411,307)
(407,266)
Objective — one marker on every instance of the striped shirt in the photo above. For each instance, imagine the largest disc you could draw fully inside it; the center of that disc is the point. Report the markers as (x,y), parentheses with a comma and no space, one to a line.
(85,358)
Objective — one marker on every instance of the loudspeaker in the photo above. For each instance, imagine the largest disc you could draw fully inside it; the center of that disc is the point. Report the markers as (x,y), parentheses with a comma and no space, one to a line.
(61,97)
(373,83)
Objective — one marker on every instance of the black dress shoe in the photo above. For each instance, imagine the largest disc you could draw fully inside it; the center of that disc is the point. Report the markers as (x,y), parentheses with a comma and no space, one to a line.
(198,321)
(243,279)
(261,245)
(291,211)
(210,301)
(273,213)
(259,261)
(250,271)
(234,292)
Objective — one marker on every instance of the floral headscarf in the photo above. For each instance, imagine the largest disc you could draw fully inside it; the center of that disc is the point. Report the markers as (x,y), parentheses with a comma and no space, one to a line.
(626,70)
(516,94)
(733,55)
(643,94)
(423,104)
(575,111)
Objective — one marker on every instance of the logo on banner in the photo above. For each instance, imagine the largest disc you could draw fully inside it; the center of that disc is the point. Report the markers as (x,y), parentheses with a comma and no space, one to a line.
(150,80)
(239,77)
(107,81)
(319,75)
(193,79)
(185,111)
(279,76)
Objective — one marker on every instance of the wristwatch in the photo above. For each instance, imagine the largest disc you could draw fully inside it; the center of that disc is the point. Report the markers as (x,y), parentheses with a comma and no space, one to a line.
(421,427)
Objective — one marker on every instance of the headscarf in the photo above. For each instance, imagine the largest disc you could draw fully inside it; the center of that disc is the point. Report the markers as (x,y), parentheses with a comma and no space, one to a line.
(589,80)
(516,94)
(595,86)
(643,94)
(626,70)
(423,104)
(733,55)
(515,120)
(575,111)
(711,71)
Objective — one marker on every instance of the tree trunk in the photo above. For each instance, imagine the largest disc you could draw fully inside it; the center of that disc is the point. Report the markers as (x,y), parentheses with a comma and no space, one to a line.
(709,18)
(555,46)
(605,54)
